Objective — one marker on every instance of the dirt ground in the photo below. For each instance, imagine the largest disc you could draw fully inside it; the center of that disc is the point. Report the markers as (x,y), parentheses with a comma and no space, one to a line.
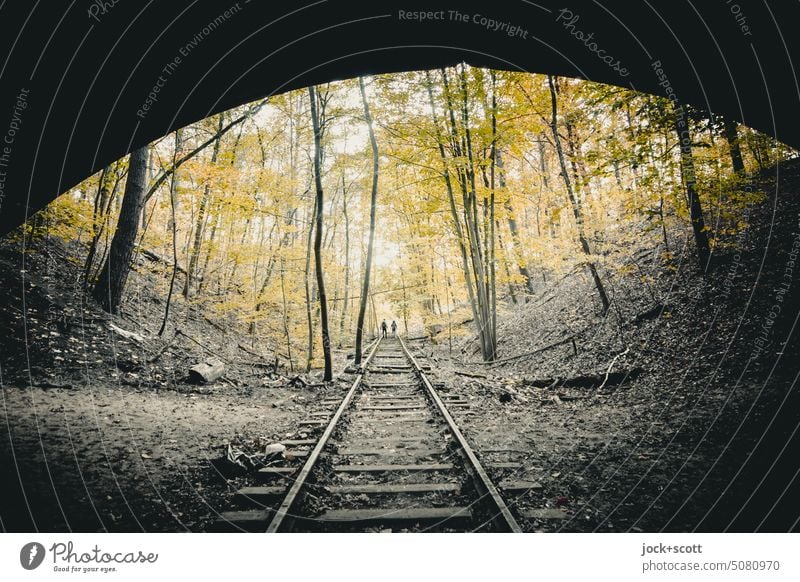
(624,460)
(119,459)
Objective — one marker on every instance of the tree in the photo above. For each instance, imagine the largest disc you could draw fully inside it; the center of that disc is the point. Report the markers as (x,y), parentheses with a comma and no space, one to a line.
(478,280)
(319,211)
(576,208)
(514,229)
(362,309)
(346,299)
(106,191)
(173,202)
(689,179)
(307,285)
(732,137)
(114,274)
(110,285)
(201,215)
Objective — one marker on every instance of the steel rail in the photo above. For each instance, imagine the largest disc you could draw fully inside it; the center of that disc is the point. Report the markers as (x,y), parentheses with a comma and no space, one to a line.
(481,477)
(291,497)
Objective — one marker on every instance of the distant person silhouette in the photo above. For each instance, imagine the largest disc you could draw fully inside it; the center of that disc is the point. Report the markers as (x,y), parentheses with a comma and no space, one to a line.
(384,328)
(394,328)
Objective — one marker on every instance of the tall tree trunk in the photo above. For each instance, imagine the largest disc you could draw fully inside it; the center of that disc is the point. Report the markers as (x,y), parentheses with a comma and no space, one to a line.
(489,184)
(111,283)
(99,218)
(405,300)
(577,182)
(493,221)
(461,149)
(514,228)
(453,210)
(512,294)
(286,318)
(173,204)
(543,162)
(257,295)
(372,210)
(468,235)
(343,314)
(283,241)
(688,177)
(732,136)
(200,274)
(475,253)
(309,297)
(236,260)
(320,216)
(376,329)
(633,135)
(576,209)
(191,268)
(480,266)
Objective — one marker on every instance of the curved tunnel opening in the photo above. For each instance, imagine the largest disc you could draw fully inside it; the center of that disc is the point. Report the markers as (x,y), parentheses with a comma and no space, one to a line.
(566,253)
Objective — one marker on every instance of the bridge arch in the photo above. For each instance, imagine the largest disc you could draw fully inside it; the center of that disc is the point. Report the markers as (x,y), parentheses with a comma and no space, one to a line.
(85,77)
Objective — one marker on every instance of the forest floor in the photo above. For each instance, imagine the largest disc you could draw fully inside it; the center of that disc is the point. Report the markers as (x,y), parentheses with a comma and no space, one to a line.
(106,432)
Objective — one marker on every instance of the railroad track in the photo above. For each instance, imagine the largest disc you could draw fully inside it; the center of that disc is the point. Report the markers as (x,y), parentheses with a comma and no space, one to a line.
(389,457)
